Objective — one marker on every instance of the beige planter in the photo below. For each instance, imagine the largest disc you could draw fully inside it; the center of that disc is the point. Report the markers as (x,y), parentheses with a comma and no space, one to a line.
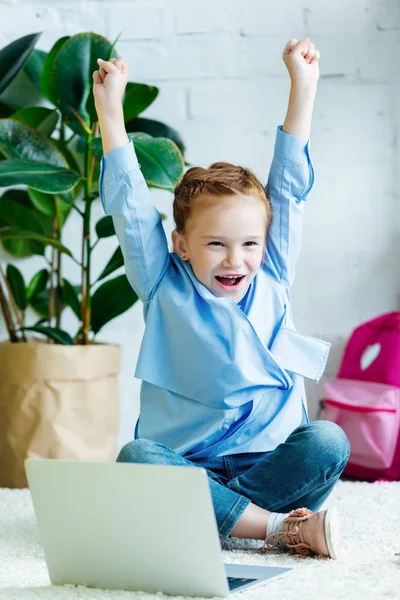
(56,402)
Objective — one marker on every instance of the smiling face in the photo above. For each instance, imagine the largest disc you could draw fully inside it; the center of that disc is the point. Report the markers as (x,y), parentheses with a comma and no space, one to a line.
(224,241)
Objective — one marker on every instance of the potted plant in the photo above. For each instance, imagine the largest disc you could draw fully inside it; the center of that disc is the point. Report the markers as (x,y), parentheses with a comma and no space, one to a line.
(58,388)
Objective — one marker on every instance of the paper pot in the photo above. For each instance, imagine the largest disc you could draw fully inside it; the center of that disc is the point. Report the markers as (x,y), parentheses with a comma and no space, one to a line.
(56,402)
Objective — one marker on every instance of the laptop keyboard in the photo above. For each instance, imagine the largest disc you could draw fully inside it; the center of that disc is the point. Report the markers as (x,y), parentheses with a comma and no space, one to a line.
(237,582)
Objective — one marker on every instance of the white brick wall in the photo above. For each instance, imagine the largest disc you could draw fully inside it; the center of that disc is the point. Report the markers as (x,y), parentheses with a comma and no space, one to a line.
(224,87)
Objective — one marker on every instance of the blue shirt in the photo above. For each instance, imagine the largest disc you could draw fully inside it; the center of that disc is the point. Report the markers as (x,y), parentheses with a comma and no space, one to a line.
(218,377)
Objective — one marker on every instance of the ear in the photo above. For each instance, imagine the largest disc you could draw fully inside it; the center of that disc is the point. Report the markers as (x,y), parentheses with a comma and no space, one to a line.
(263,253)
(179,244)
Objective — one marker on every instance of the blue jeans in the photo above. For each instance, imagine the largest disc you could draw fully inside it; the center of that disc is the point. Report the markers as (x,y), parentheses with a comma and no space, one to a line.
(302,471)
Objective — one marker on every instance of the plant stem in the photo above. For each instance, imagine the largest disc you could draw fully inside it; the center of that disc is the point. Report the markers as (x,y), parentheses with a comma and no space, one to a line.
(75,261)
(62,131)
(52,275)
(58,304)
(77,210)
(11,299)
(93,160)
(12,303)
(51,291)
(7,316)
(86,245)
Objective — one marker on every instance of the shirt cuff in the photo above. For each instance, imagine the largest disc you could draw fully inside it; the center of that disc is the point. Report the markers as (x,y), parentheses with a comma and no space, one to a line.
(291,148)
(119,161)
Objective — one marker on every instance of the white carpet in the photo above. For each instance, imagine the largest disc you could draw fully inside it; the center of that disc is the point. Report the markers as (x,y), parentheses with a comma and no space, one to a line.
(368,569)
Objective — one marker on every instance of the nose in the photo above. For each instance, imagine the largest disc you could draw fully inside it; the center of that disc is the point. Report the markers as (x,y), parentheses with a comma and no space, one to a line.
(233,259)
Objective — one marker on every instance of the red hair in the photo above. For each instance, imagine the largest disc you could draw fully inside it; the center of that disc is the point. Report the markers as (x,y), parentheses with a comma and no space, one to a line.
(220,179)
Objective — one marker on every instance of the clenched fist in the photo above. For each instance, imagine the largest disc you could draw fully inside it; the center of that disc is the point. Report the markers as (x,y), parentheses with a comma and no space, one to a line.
(109,83)
(301,60)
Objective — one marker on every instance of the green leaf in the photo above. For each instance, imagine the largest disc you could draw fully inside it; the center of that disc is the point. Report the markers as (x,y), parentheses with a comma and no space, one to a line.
(68,155)
(111,53)
(70,298)
(96,177)
(37,284)
(96,148)
(110,300)
(105,227)
(155,129)
(38,117)
(31,158)
(58,335)
(5,111)
(16,211)
(45,80)
(15,195)
(34,66)
(41,321)
(17,285)
(40,303)
(14,56)
(40,300)
(160,160)
(44,203)
(21,93)
(66,204)
(68,198)
(69,77)
(138,97)
(115,262)
(18,140)
(7,233)
(39,176)
(48,125)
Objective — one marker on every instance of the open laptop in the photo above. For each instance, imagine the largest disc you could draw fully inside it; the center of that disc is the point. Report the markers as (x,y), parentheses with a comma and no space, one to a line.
(135,527)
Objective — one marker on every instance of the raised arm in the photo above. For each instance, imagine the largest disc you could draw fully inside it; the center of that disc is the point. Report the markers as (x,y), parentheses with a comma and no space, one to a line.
(123,189)
(291,175)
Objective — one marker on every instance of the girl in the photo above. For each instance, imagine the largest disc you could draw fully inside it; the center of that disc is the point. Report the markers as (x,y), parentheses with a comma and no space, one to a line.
(221,363)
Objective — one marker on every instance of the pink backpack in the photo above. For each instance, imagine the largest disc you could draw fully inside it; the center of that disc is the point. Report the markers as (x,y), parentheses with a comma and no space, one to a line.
(365,399)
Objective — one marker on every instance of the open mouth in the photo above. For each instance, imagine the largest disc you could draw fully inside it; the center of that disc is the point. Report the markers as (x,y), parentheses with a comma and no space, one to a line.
(229,281)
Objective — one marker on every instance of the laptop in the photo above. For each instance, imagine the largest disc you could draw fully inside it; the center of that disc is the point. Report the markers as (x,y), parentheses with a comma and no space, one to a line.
(135,527)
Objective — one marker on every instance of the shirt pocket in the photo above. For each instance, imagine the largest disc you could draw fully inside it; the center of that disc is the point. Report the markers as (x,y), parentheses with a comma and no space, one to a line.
(300,354)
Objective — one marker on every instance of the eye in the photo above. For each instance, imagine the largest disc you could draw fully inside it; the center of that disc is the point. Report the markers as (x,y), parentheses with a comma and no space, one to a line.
(251,243)
(215,244)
